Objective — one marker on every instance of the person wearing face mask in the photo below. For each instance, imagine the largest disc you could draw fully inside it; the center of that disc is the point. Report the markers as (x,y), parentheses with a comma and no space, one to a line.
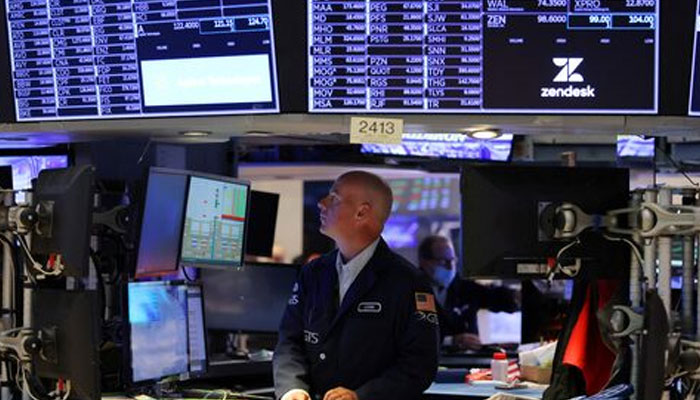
(458,300)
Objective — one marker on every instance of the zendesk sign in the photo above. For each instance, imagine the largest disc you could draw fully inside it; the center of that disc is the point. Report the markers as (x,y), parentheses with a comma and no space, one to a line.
(568,73)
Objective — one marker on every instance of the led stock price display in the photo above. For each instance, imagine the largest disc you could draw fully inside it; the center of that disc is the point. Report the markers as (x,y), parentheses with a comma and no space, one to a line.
(78,59)
(481,56)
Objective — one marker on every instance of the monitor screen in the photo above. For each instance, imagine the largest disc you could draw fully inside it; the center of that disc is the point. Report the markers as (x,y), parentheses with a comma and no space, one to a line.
(445,145)
(694,104)
(75,59)
(635,146)
(505,226)
(173,314)
(157,310)
(250,299)
(195,330)
(214,228)
(494,56)
(26,168)
(263,221)
(161,223)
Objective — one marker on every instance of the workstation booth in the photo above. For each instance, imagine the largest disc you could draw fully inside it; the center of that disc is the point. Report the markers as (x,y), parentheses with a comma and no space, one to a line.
(173,175)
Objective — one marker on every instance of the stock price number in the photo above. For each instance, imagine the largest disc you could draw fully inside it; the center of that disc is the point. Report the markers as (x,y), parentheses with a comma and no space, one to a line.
(640,3)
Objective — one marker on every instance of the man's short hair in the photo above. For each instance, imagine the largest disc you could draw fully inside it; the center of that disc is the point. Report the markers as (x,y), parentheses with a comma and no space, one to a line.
(375,184)
(425,248)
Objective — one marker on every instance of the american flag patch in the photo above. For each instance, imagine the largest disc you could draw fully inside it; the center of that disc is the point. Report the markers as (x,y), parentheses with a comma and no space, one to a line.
(425,302)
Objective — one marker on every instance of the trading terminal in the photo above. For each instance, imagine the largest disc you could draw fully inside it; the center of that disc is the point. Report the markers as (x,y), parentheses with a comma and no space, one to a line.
(163,162)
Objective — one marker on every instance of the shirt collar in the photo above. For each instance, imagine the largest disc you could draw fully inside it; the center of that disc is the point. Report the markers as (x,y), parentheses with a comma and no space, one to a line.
(358,262)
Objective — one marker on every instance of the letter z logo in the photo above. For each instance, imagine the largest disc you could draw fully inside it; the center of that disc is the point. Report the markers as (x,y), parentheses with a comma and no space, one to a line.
(568,66)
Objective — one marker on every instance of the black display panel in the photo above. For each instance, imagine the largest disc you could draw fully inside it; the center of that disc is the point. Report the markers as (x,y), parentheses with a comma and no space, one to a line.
(694,107)
(483,56)
(91,59)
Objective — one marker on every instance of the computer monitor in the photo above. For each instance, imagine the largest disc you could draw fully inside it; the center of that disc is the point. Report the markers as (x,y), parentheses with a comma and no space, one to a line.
(635,147)
(26,168)
(66,195)
(68,61)
(538,57)
(263,221)
(216,214)
(166,331)
(161,222)
(445,145)
(76,319)
(501,231)
(250,299)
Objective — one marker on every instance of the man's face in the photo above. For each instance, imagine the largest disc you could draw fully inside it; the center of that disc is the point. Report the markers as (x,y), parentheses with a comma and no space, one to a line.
(337,210)
(443,257)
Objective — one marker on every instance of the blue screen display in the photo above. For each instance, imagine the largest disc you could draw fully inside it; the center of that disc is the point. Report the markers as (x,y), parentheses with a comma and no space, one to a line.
(158,320)
(446,145)
(92,59)
(635,146)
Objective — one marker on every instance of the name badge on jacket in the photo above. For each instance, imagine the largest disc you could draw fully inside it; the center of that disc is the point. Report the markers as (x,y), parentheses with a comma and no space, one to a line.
(371,307)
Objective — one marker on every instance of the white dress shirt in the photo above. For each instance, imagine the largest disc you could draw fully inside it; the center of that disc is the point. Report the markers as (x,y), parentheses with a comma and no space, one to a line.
(349,271)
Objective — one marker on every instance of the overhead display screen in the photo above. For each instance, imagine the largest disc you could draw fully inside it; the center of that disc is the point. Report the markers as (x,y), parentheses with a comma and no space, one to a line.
(91,59)
(694,108)
(483,56)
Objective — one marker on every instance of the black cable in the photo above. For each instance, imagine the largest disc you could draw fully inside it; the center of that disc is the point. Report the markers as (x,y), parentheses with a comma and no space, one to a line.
(187,277)
(675,164)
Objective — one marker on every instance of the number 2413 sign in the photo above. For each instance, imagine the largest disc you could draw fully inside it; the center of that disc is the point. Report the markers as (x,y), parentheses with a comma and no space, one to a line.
(375,130)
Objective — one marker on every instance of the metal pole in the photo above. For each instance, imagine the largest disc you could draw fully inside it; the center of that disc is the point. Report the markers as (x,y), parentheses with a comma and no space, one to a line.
(664,283)
(635,293)
(8,321)
(650,196)
(688,270)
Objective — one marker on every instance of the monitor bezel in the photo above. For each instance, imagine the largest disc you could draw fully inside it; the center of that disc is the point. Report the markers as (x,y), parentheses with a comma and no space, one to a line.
(127,358)
(221,178)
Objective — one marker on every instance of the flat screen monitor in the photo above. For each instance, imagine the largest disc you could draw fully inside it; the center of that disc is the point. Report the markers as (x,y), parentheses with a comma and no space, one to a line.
(250,299)
(68,194)
(694,103)
(263,221)
(161,222)
(216,214)
(75,315)
(634,146)
(502,231)
(445,145)
(166,330)
(124,59)
(26,168)
(493,56)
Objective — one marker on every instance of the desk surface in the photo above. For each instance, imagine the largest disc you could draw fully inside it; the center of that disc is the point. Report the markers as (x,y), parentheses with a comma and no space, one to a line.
(480,390)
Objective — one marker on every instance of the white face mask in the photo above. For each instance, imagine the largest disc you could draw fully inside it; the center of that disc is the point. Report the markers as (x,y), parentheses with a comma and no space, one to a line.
(444,276)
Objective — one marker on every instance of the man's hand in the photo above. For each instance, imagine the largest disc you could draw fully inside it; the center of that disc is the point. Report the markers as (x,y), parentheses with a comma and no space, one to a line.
(340,393)
(296,394)
(467,341)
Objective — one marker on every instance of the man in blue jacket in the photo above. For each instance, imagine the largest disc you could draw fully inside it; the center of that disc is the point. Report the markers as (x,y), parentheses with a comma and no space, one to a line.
(361,323)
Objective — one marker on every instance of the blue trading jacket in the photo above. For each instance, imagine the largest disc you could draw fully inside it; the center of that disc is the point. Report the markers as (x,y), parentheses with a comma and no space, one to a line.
(382,341)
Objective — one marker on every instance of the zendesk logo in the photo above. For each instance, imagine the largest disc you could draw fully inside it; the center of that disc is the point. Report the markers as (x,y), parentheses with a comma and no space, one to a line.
(567,74)
(568,66)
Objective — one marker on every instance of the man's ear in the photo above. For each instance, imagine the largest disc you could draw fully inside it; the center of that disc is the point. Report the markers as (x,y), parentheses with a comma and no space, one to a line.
(363,211)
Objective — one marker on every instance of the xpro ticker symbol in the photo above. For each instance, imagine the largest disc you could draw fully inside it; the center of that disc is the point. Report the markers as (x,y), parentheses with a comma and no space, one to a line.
(568,66)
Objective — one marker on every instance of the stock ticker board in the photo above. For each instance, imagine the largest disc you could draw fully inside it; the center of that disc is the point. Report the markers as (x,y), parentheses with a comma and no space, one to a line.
(483,56)
(88,59)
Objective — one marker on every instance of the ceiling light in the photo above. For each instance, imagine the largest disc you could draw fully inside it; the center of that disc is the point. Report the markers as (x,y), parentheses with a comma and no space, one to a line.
(196,133)
(484,134)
